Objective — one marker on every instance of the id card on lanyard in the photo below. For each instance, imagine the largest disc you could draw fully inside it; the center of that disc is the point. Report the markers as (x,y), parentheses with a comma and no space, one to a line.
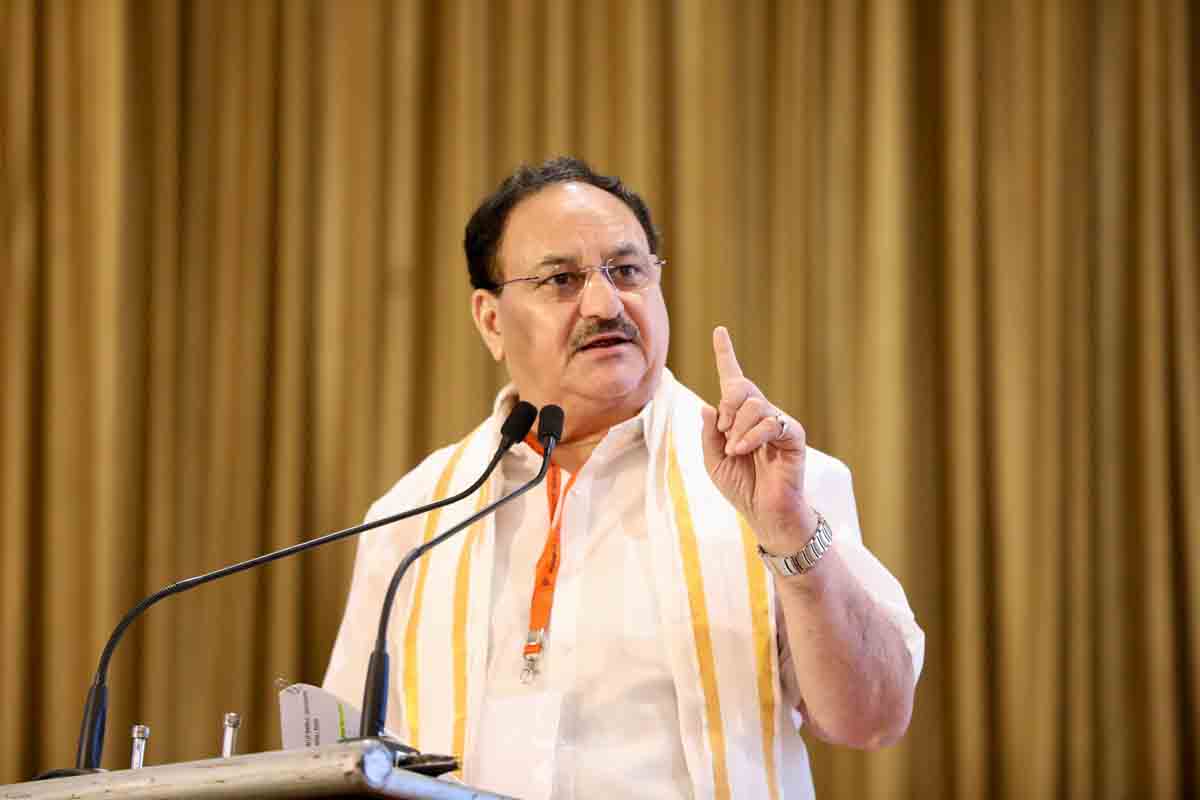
(545,578)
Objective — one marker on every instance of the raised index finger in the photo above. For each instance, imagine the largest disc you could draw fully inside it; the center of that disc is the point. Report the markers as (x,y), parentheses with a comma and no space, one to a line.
(728,368)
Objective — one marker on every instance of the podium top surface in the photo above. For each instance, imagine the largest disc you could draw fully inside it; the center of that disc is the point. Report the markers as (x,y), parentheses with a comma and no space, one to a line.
(347,769)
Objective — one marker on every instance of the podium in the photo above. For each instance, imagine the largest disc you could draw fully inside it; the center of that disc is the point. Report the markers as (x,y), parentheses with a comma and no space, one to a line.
(345,770)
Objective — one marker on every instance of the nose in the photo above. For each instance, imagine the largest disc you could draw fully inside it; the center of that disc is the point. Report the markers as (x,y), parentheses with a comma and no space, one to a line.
(599,298)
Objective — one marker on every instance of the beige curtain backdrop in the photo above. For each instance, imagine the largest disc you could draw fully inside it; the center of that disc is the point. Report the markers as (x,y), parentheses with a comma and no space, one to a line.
(958,241)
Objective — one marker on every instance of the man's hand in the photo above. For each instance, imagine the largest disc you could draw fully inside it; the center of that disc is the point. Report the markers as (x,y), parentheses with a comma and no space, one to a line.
(755,456)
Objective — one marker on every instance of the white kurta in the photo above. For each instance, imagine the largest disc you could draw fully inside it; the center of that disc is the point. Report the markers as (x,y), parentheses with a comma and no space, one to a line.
(602,653)
(603,717)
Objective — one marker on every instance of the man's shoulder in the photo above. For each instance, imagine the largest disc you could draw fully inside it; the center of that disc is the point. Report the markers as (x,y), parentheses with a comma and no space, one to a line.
(415,484)
(818,462)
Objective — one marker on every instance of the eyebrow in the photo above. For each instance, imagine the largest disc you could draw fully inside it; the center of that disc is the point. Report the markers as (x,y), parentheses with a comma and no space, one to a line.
(558,259)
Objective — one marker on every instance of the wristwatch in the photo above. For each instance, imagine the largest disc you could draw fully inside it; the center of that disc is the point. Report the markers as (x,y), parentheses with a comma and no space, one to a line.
(808,556)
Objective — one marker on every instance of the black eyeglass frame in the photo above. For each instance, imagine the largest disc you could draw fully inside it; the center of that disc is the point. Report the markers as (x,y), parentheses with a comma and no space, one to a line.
(605,269)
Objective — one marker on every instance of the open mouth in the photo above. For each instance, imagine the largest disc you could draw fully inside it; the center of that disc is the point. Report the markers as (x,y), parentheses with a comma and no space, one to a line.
(605,342)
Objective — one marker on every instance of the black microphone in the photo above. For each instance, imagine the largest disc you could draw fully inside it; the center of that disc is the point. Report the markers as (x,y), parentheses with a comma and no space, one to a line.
(375,689)
(91,732)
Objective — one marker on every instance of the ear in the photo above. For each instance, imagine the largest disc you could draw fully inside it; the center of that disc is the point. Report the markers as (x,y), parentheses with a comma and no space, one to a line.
(485,310)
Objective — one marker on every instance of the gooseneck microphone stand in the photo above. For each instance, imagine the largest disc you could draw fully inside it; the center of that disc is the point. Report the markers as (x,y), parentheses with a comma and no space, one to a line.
(375,690)
(92,728)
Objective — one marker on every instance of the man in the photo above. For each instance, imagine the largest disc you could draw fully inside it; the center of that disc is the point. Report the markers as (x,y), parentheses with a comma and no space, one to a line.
(690,587)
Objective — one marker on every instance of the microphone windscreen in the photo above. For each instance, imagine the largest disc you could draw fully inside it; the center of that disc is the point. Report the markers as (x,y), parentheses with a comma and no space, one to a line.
(550,423)
(519,422)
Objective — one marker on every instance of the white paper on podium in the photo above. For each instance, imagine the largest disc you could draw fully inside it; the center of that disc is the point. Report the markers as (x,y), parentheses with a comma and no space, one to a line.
(309,716)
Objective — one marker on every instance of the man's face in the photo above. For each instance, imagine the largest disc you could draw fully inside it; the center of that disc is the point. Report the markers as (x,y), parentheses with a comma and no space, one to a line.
(598,355)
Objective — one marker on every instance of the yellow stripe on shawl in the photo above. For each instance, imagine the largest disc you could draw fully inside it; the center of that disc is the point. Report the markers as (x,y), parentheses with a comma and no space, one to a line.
(760,620)
(412,706)
(690,552)
(462,594)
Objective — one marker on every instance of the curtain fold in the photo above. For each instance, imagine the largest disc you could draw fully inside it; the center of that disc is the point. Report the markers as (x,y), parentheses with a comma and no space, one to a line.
(957,241)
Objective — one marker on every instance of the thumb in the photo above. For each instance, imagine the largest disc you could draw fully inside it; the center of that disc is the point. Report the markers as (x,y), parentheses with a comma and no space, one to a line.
(713,439)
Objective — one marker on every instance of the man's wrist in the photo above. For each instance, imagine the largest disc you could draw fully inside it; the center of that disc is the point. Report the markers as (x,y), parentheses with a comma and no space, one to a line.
(806,558)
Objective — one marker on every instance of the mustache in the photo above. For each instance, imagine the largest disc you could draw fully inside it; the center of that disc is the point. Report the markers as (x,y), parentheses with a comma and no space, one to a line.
(622,326)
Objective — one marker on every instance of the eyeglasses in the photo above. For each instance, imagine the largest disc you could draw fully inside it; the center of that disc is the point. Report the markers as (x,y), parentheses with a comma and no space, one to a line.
(624,273)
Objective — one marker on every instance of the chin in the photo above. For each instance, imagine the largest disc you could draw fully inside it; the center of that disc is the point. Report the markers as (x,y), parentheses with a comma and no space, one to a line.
(615,391)
(617,385)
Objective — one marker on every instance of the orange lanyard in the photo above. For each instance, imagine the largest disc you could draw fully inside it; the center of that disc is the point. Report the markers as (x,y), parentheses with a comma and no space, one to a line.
(546,576)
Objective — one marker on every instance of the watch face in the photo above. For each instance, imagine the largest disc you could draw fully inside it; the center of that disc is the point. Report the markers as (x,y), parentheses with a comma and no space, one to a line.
(781,565)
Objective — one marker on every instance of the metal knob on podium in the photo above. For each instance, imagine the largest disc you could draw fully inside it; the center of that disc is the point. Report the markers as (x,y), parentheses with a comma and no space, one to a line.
(229,732)
(140,734)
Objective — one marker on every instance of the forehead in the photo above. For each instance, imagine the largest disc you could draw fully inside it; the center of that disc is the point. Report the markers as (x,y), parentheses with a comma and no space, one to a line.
(570,220)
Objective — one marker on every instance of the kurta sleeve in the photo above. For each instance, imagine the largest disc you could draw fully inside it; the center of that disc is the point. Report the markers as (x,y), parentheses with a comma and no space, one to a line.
(830,489)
